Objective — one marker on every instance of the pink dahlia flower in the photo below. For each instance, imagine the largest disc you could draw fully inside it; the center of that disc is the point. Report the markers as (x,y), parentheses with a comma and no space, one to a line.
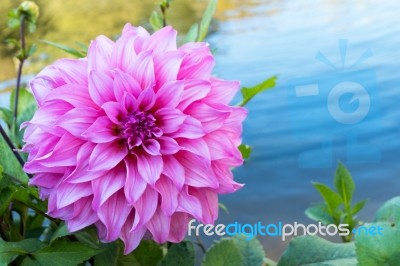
(135,138)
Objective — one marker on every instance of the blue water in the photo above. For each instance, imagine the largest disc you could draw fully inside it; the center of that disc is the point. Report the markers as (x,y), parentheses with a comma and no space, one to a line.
(283,38)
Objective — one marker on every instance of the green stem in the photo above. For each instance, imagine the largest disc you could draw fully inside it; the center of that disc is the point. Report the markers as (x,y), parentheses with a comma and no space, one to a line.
(19,74)
(37,211)
(12,147)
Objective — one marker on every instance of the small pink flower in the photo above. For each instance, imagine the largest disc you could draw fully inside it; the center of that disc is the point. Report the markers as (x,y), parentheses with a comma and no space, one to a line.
(135,138)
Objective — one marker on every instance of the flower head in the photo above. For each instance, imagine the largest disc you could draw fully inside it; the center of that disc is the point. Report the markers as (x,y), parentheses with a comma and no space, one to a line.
(135,138)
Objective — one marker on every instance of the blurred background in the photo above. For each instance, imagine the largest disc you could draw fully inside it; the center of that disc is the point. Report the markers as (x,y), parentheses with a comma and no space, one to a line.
(255,39)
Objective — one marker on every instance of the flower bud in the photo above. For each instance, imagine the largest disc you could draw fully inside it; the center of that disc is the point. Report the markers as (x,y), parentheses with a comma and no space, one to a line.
(30,9)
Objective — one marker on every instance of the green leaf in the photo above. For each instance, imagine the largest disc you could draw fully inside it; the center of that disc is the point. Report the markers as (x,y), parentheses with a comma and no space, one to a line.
(344,183)
(358,206)
(6,195)
(249,93)
(62,253)
(9,251)
(11,166)
(312,249)
(61,231)
(337,262)
(389,211)
(206,19)
(32,50)
(251,250)
(6,115)
(146,247)
(331,198)
(25,99)
(319,213)
(109,256)
(66,49)
(192,34)
(180,254)
(379,249)
(156,20)
(245,150)
(223,207)
(223,252)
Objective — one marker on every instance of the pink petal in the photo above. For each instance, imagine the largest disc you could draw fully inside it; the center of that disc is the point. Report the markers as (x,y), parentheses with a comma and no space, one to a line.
(174,170)
(212,116)
(116,204)
(169,195)
(142,69)
(99,54)
(134,186)
(169,95)
(100,88)
(114,111)
(46,180)
(223,91)
(195,146)
(81,173)
(146,99)
(167,66)
(225,177)
(107,184)
(222,148)
(145,207)
(106,156)
(124,51)
(189,204)
(131,239)
(73,70)
(101,131)
(68,193)
(149,167)
(178,228)
(159,226)
(169,119)
(83,215)
(77,120)
(76,95)
(151,146)
(209,201)
(125,83)
(198,171)
(163,40)
(198,62)
(191,128)
(168,145)
(194,90)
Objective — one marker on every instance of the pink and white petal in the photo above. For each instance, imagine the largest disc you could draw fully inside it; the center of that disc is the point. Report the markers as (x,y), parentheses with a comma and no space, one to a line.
(223,91)
(149,167)
(45,82)
(134,184)
(169,119)
(198,62)
(209,201)
(163,40)
(101,131)
(145,207)
(142,69)
(178,227)
(233,125)
(73,70)
(191,128)
(125,83)
(108,184)
(77,120)
(74,94)
(169,195)
(159,226)
(151,146)
(174,170)
(198,170)
(68,193)
(46,180)
(81,173)
(168,145)
(212,116)
(106,156)
(124,50)
(99,54)
(195,146)
(84,215)
(167,66)
(116,204)
(222,147)
(194,90)
(225,177)
(47,115)
(131,239)
(130,103)
(146,99)
(114,111)
(101,88)
(169,95)
(189,204)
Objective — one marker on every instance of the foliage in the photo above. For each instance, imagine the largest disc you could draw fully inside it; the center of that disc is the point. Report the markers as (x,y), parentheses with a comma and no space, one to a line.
(337,207)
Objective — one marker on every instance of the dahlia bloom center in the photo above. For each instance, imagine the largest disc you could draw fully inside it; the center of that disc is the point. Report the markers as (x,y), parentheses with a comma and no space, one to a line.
(139,127)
